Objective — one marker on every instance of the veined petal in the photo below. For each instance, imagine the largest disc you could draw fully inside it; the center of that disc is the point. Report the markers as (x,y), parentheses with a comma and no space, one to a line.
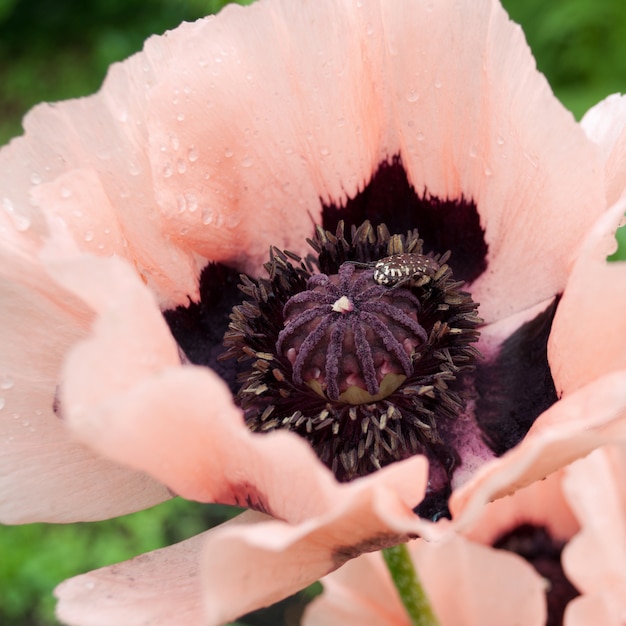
(586,341)
(475,118)
(605,124)
(287,558)
(161,588)
(595,558)
(45,475)
(582,421)
(362,591)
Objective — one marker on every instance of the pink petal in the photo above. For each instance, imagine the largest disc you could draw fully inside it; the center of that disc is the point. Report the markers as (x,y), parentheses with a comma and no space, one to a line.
(475,118)
(161,588)
(45,475)
(467,584)
(595,559)
(249,562)
(605,124)
(541,504)
(585,342)
(570,429)
(247,567)
(247,138)
(591,610)
(96,148)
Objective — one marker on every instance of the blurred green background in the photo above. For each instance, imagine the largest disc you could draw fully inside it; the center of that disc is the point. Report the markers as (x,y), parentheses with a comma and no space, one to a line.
(57,49)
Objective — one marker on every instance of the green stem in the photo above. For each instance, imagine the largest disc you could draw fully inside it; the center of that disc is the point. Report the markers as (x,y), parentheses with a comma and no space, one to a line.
(407,583)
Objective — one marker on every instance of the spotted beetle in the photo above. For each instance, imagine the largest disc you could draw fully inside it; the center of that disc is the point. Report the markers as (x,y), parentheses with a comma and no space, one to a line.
(400,268)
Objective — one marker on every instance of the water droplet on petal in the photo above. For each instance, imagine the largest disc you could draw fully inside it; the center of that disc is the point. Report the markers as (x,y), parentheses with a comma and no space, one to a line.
(500,140)
(420,136)
(180,116)
(192,154)
(89,235)
(207,216)
(65,192)
(324,151)
(21,223)
(35,178)
(167,170)
(412,96)
(181,166)
(2,403)
(6,382)
(192,202)
(228,153)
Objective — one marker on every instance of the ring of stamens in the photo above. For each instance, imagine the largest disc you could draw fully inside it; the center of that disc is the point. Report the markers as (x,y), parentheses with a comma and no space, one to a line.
(367,373)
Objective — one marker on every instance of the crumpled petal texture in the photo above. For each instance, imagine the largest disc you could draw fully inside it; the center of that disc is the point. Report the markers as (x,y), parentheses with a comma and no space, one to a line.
(45,475)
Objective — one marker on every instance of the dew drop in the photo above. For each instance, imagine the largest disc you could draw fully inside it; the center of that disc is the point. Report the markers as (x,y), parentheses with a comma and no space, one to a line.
(412,96)
(2,403)
(192,154)
(207,216)
(247,162)
(500,140)
(420,136)
(35,179)
(180,116)
(324,151)
(228,153)
(21,223)
(6,382)
(167,170)
(488,171)
(89,235)
(134,169)
(181,166)
(65,192)
(90,585)
(192,202)
(123,116)
(438,84)
(175,142)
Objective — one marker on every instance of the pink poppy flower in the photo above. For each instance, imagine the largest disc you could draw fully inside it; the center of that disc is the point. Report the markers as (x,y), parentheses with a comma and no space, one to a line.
(518,558)
(212,145)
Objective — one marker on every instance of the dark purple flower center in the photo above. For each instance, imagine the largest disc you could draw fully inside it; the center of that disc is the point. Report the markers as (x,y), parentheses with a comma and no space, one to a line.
(361,349)
(345,335)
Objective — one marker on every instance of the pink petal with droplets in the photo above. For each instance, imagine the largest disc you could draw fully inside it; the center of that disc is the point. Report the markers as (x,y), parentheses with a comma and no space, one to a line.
(46,475)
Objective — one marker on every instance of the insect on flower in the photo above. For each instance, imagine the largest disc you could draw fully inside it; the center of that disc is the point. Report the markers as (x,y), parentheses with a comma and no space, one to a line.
(396,270)
(399,269)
